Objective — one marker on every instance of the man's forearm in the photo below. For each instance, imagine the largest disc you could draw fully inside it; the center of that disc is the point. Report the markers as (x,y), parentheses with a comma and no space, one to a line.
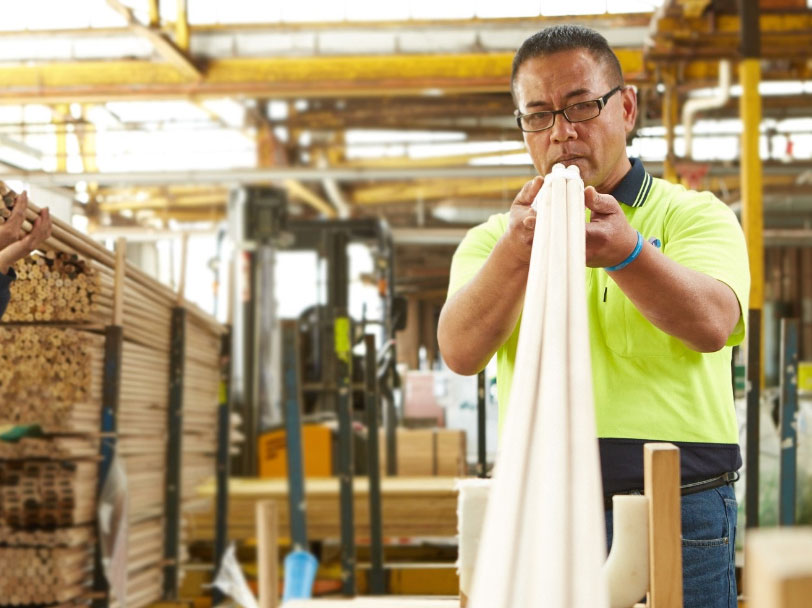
(480,317)
(687,304)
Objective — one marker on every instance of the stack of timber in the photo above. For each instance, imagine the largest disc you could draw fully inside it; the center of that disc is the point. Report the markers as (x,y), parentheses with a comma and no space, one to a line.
(46,537)
(201,386)
(51,379)
(55,286)
(411,506)
(51,367)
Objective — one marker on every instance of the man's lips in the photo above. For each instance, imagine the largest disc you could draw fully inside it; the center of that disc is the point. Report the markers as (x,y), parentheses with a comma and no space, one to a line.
(568,158)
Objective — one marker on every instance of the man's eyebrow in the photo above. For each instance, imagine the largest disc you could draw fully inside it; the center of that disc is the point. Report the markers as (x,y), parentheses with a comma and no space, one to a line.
(568,96)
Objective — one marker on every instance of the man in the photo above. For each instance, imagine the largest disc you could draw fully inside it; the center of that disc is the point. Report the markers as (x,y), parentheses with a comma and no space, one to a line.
(667,281)
(15,245)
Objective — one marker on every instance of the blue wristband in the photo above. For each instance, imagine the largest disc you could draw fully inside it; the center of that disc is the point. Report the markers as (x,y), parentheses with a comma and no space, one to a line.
(632,256)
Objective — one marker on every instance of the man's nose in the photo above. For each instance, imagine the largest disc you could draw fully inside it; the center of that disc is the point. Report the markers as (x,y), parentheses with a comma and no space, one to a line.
(562,129)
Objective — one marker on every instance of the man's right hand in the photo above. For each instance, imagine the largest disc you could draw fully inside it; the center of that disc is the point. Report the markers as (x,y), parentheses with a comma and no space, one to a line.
(522,222)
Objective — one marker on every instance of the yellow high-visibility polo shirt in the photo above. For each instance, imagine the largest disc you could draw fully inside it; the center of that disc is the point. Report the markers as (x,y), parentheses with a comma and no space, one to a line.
(648,385)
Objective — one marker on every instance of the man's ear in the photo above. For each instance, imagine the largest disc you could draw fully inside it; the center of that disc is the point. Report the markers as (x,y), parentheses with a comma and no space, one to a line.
(629,99)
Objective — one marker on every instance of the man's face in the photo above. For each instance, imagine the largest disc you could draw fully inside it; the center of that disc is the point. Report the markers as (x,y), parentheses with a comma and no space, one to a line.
(596,146)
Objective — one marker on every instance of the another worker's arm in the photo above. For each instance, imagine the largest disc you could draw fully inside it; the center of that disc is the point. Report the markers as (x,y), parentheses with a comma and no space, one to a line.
(5,283)
(479,317)
(692,306)
(15,244)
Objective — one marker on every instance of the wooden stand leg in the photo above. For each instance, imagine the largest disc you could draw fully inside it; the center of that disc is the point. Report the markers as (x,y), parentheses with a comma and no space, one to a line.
(267,554)
(778,568)
(662,481)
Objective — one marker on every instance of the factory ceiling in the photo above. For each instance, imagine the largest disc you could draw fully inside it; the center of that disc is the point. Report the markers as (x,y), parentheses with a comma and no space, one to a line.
(406,119)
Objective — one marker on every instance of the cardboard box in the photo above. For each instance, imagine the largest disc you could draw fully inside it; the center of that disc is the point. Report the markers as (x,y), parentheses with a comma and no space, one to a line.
(428,452)
(317,450)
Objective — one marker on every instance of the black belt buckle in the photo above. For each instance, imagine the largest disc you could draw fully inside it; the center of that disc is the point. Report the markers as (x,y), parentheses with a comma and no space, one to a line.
(709,484)
(689,488)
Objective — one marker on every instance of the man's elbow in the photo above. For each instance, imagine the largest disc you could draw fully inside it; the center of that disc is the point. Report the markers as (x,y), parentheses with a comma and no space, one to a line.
(456,356)
(458,363)
(710,340)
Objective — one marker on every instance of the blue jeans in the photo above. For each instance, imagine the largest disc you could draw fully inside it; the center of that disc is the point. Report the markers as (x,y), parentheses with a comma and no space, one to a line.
(708,548)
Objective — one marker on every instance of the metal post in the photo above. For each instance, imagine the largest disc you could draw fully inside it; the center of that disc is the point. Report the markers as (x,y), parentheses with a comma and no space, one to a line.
(174,453)
(390,421)
(789,410)
(753,412)
(113,340)
(336,249)
(753,225)
(222,464)
(481,401)
(293,435)
(377,584)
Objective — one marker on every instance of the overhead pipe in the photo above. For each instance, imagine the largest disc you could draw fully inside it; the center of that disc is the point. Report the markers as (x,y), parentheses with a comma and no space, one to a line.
(692,106)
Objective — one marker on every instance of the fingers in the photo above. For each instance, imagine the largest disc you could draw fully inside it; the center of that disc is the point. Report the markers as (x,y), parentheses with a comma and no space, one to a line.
(18,211)
(529,191)
(41,230)
(599,203)
(20,205)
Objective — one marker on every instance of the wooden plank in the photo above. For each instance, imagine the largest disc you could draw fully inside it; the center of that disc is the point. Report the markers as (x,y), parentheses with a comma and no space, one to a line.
(424,506)
(778,568)
(661,482)
(377,602)
(267,553)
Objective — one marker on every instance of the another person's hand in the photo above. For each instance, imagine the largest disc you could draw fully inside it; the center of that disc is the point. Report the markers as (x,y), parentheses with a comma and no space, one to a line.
(522,221)
(609,236)
(24,245)
(12,229)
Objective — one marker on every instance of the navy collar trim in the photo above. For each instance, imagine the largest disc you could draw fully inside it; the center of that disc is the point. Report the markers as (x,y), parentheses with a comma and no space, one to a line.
(635,186)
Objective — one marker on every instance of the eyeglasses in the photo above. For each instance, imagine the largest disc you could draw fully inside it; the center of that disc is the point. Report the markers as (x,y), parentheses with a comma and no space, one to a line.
(577,112)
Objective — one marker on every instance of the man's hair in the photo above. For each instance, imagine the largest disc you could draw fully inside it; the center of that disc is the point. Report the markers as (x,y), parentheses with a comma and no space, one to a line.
(558,38)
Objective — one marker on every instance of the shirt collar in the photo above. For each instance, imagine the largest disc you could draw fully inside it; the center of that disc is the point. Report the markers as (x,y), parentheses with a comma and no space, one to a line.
(633,189)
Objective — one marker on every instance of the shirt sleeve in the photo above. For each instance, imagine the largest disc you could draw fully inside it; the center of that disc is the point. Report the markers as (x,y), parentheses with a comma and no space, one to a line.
(474,250)
(5,293)
(702,233)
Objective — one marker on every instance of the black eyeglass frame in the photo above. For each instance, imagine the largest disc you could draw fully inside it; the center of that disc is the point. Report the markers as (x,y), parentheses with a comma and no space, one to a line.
(601,101)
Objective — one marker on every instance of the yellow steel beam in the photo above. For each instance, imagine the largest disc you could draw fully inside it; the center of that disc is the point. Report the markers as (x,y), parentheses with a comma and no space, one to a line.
(59,116)
(173,54)
(154,13)
(86,138)
(400,192)
(730,25)
(298,191)
(693,8)
(169,202)
(182,26)
(751,178)
(212,214)
(670,110)
(271,77)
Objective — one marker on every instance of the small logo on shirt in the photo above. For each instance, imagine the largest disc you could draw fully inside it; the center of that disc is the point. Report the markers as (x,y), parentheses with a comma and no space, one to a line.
(656,242)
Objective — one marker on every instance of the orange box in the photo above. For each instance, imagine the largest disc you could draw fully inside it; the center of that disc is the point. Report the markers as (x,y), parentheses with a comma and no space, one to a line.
(317,449)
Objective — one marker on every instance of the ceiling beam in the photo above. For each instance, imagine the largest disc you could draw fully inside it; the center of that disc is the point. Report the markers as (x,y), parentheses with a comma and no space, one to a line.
(285,77)
(163,45)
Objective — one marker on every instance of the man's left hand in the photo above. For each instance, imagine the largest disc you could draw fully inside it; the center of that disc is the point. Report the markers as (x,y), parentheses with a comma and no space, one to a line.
(609,237)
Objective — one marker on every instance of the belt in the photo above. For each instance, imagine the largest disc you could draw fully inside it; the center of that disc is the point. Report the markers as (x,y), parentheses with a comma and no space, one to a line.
(688,488)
